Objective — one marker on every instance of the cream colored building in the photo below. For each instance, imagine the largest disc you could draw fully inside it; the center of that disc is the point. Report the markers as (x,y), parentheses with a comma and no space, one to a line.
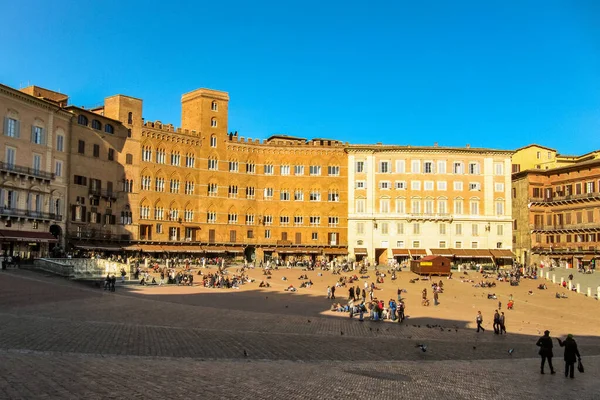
(406,202)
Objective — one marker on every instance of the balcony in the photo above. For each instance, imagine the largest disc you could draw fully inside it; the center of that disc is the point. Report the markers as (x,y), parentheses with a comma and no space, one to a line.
(565,199)
(92,233)
(26,172)
(430,216)
(108,194)
(29,214)
(565,228)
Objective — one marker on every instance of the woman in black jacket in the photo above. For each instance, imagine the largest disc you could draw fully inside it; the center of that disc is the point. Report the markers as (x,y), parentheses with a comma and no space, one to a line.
(571,354)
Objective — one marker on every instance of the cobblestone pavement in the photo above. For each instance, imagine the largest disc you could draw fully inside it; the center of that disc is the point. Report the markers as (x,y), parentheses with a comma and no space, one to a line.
(59,339)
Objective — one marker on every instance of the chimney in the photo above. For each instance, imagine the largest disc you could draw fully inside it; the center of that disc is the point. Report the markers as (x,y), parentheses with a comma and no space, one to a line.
(468,146)
(435,144)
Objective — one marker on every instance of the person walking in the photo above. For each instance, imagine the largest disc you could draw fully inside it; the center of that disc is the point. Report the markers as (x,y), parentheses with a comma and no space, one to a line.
(479,320)
(571,355)
(333,291)
(545,345)
(502,321)
(435,298)
(496,322)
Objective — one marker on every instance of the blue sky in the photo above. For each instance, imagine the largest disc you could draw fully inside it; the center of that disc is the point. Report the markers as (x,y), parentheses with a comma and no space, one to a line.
(498,74)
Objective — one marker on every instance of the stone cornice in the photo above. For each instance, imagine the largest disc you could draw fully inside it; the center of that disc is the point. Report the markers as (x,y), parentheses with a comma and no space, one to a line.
(49,106)
(371,149)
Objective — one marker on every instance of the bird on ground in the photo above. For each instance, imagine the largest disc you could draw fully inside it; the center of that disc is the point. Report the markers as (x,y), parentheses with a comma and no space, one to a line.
(245,353)
(423,347)
(309,321)
(510,351)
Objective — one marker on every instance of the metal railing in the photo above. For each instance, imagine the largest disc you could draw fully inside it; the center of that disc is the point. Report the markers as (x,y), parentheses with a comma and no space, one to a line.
(18,169)
(103,193)
(18,212)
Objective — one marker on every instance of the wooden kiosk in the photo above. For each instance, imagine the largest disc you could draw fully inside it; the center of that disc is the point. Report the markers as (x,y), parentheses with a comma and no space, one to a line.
(431,265)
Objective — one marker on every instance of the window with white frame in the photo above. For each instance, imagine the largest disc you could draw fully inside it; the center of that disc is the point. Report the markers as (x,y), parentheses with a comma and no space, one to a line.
(314,235)
(175,158)
(415,166)
(589,187)
(458,206)
(474,168)
(173,214)
(233,166)
(333,196)
(500,230)
(213,141)
(400,228)
(474,245)
(190,160)
(474,206)
(415,185)
(400,206)
(269,169)
(384,228)
(174,186)
(499,187)
(360,206)
(415,206)
(360,167)
(284,220)
(159,185)
(213,122)
(161,156)
(384,167)
(232,191)
(428,207)
(458,245)
(268,193)
(474,186)
(474,230)
(458,168)
(11,127)
(314,195)
(213,189)
(458,186)
(284,195)
(267,234)
(385,185)
(211,217)
(498,169)
(298,220)
(146,183)
(159,213)
(441,167)
(360,228)
(250,192)
(361,185)
(189,187)
(442,206)
(298,195)
(400,185)
(58,168)
(442,244)
(442,229)
(400,244)
(428,167)
(416,244)
(315,221)
(428,185)
(458,229)
(145,212)
(416,228)
(298,170)
(249,219)
(232,218)
(499,207)
(60,143)
(268,220)
(333,170)
(400,166)
(37,135)
(314,170)
(250,168)
(188,215)
(213,165)
(384,205)
(284,170)
(333,221)
(146,153)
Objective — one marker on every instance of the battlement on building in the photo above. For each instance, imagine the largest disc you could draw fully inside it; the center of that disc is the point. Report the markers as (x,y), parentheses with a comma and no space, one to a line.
(286,141)
(170,128)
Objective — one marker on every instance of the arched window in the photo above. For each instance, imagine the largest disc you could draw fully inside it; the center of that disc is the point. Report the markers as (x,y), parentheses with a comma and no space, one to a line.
(82,120)
(130,118)
(214,106)
(129,159)
(108,128)
(213,122)
(96,124)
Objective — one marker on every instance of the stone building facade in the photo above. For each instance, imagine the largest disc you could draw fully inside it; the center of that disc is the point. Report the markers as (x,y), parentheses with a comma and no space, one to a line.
(405,202)
(34,171)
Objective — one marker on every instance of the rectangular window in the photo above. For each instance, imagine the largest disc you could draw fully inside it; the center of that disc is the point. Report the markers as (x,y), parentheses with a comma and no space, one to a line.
(441,165)
(499,187)
(400,166)
(314,195)
(333,221)
(400,185)
(360,206)
(474,245)
(213,165)
(299,170)
(250,192)
(416,244)
(458,229)
(81,147)
(458,186)
(442,244)
(268,220)
(498,169)
(500,229)
(268,193)
(400,228)
(458,168)
(58,166)
(360,228)
(442,207)
(360,185)
(400,244)
(37,163)
(474,168)
(384,185)
(475,186)
(269,169)
(333,170)
(314,170)
(284,195)
(428,167)
(415,185)
(384,228)
(111,154)
(232,218)
(428,185)
(458,245)
(37,135)
(384,206)
(384,167)
(314,236)
(360,167)
(475,207)
(11,127)
(475,230)
(298,220)
(267,234)
(249,219)
(60,143)
(458,207)
(315,221)
(400,206)
(233,166)
(428,207)
(416,229)
(442,185)
(333,196)
(415,207)
(284,220)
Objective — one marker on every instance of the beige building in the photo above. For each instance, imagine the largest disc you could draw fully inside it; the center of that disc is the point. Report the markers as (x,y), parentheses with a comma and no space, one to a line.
(405,202)
(33,167)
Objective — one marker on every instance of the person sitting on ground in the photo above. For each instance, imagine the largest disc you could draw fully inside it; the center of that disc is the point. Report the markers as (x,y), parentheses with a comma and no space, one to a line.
(425,302)
(492,296)
(290,288)
(510,305)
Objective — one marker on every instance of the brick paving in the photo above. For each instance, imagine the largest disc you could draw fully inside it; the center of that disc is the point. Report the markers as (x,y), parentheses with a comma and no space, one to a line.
(83,342)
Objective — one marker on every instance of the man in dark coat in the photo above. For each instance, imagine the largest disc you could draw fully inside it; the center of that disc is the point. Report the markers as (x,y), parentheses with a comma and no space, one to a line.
(571,355)
(545,344)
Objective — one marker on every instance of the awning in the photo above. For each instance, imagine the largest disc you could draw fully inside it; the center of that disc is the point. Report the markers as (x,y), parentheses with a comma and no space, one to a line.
(267,248)
(151,248)
(339,252)
(588,257)
(183,249)
(234,249)
(214,249)
(132,248)
(103,247)
(26,236)
(442,252)
(417,252)
(360,251)
(472,253)
(400,252)
(502,253)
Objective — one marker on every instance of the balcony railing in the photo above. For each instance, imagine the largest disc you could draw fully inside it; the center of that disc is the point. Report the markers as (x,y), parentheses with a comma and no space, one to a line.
(109,194)
(565,198)
(564,227)
(18,169)
(21,213)
(93,234)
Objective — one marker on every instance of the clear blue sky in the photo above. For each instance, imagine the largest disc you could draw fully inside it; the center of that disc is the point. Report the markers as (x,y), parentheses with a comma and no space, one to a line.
(498,74)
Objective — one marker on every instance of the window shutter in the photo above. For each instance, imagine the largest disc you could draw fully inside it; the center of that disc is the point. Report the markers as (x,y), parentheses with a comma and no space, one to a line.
(1,197)
(83,214)
(32,134)
(73,212)
(43,138)
(5,125)
(18,129)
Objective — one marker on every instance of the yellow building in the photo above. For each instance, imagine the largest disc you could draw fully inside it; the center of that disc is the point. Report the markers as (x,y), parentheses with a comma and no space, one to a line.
(535,156)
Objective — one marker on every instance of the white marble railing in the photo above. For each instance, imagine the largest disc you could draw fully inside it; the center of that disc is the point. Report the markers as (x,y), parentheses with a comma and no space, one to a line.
(81,267)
